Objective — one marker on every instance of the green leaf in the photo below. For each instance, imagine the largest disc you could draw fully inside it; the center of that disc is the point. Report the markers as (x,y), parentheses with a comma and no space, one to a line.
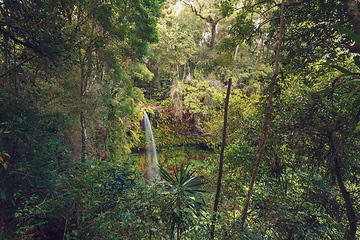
(326,90)
(357,61)
(354,81)
(353,91)
(165,175)
(341,69)
(348,32)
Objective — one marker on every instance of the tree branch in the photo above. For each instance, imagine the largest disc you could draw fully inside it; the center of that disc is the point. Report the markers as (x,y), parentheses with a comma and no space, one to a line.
(12,69)
(25,44)
(290,4)
(193,9)
(266,118)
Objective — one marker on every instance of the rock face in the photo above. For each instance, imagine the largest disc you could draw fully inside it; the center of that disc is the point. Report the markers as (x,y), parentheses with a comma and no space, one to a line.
(142,124)
(154,119)
(172,130)
(156,116)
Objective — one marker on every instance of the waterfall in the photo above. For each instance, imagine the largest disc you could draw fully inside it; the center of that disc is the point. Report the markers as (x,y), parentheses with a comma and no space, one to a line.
(151,155)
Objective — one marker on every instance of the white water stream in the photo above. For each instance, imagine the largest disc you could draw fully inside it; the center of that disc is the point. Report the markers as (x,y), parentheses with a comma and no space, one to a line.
(152,171)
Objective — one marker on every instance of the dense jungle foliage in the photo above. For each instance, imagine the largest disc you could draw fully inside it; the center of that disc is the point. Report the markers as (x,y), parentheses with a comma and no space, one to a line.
(77,75)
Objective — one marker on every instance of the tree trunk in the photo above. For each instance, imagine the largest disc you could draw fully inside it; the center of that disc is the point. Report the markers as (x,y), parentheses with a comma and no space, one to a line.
(216,203)
(354,16)
(15,74)
(350,233)
(213,23)
(5,62)
(266,119)
(209,19)
(85,87)
(83,136)
(82,113)
(213,35)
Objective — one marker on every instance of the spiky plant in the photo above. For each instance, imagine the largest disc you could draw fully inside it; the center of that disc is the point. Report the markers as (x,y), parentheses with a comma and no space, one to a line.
(186,202)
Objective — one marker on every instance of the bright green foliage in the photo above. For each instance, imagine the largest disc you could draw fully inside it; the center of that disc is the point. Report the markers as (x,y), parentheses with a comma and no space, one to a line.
(175,55)
(314,123)
(181,55)
(76,77)
(296,195)
(200,98)
(311,136)
(66,96)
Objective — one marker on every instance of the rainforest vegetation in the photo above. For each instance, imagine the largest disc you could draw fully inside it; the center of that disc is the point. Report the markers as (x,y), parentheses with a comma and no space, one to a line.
(254,106)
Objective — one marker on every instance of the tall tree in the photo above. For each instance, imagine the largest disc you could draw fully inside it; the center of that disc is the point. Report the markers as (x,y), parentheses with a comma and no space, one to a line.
(221,161)
(207,11)
(266,116)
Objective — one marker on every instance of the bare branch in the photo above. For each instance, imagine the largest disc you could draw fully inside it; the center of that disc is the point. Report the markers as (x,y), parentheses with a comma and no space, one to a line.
(26,44)
(194,10)
(12,69)
(285,16)
(290,4)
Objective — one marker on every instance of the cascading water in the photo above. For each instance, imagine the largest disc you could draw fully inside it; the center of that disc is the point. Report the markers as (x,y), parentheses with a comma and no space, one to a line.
(152,171)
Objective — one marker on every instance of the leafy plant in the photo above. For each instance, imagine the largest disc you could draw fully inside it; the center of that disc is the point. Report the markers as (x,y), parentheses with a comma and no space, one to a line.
(183,190)
(348,79)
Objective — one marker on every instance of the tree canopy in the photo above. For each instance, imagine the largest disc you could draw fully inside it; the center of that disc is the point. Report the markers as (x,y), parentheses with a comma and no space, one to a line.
(76,77)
